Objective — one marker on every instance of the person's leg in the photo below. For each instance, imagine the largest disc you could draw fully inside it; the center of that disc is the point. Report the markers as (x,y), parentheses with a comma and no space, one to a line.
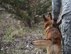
(66,33)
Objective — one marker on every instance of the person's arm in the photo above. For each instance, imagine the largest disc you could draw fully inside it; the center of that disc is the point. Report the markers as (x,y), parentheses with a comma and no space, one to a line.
(56,6)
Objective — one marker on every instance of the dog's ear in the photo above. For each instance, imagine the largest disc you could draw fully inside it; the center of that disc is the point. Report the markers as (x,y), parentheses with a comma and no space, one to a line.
(50,15)
(45,18)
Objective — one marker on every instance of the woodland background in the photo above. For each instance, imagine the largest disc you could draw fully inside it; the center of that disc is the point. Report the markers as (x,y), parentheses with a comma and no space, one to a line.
(21,22)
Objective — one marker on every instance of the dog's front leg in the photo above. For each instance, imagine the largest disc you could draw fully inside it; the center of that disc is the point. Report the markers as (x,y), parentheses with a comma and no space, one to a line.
(42,43)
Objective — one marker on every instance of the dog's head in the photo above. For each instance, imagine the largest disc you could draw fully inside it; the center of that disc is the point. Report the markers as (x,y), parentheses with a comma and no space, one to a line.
(47,20)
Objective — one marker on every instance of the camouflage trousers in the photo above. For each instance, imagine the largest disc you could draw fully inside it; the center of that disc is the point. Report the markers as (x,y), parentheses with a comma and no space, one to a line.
(66,33)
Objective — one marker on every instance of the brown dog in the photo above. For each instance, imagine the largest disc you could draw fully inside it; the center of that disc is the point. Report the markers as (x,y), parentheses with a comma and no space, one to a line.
(52,41)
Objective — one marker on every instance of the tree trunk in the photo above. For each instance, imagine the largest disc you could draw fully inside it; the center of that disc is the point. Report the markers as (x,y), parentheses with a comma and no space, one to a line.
(66,33)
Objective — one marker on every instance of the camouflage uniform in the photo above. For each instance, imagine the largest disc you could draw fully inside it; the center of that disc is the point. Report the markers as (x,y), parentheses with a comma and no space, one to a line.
(62,9)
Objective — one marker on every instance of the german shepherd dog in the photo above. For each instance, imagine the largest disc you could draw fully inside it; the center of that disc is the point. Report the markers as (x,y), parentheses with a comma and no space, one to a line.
(52,40)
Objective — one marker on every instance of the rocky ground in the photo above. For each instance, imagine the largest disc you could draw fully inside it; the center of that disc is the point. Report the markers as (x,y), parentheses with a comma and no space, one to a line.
(15,38)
